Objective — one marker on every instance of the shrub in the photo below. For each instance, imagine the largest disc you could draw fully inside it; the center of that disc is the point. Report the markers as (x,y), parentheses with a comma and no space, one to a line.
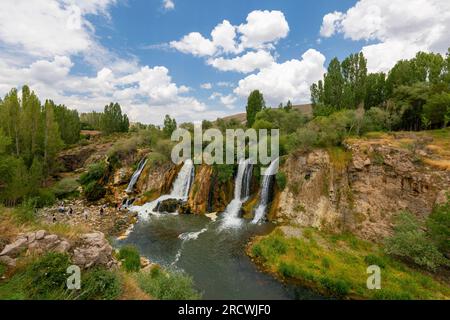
(100,284)
(287,270)
(224,172)
(65,187)
(44,198)
(168,285)
(95,172)
(276,246)
(438,224)
(281,180)
(411,242)
(94,191)
(337,287)
(47,276)
(130,257)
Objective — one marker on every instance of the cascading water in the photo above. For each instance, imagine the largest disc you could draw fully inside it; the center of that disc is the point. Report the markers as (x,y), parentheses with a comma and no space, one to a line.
(180,191)
(265,191)
(136,175)
(241,193)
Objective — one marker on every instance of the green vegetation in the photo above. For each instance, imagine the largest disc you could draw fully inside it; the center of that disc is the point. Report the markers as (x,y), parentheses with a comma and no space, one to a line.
(166,285)
(170,125)
(92,181)
(255,104)
(100,284)
(66,188)
(131,260)
(113,120)
(337,265)
(426,247)
(281,180)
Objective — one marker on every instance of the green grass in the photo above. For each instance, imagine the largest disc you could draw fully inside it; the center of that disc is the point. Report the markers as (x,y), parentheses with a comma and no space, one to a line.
(336,265)
(167,285)
(131,260)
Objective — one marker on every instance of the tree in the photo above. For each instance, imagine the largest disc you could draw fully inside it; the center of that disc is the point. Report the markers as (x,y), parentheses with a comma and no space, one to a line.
(354,71)
(255,104)
(112,119)
(288,106)
(69,124)
(52,138)
(437,110)
(333,85)
(170,125)
(375,90)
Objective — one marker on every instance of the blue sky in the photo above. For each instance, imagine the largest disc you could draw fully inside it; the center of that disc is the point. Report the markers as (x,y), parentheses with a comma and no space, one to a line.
(162,56)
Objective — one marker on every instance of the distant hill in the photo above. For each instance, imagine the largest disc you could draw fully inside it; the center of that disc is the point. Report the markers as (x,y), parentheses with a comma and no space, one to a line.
(242,117)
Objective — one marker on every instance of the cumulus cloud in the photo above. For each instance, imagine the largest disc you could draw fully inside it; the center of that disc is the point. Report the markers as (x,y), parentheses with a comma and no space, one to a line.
(290,80)
(227,100)
(263,27)
(168,4)
(400,28)
(261,31)
(246,63)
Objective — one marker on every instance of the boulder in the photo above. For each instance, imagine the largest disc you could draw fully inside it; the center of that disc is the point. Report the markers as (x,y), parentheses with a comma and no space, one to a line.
(10,262)
(15,248)
(169,205)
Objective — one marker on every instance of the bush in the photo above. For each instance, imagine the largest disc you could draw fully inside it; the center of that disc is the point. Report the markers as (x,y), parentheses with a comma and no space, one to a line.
(276,246)
(168,285)
(224,172)
(94,191)
(337,287)
(44,198)
(411,242)
(95,172)
(131,260)
(65,187)
(438,224)
(281,180)
(47,276)
(100,284)
(287,270)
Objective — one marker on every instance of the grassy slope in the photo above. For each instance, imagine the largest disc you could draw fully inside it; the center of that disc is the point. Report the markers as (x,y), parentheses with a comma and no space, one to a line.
(337,265)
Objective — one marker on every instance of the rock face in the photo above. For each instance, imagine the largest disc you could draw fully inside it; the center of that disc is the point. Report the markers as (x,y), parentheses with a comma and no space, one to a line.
(207,194)
(361,195)
(89,250)
(156,180)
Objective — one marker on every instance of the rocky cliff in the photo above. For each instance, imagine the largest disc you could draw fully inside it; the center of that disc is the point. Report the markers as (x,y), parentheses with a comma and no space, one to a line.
(359,188)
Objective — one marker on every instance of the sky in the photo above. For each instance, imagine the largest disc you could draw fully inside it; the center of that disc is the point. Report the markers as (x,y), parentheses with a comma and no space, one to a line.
(200,59)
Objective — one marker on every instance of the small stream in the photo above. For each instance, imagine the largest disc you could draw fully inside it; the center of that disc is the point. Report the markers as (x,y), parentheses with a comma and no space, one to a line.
(214,256)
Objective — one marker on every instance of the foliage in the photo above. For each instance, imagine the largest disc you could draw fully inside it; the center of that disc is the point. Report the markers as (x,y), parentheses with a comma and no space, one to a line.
(170,125)
(94,191)
(131,260)
(47,276)
(410,241)
(255,104)
(95,172)
(65,187)
(100,284)
(438,225)
(167,285)
(281,180)
(224,172)
(113,120)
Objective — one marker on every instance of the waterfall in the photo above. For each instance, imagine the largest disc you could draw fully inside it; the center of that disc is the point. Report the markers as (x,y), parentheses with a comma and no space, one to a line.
(265,190)
(182,184)
(136,175)
(180,191)
(241,194)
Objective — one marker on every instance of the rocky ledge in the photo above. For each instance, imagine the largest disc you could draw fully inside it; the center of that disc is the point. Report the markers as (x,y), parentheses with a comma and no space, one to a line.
(89,250)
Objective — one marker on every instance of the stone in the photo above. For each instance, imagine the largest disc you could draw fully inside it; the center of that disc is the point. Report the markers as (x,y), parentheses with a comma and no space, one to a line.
(14,248)
(10,262)
(62,247)
(169,205)
(367,162)
(40,234)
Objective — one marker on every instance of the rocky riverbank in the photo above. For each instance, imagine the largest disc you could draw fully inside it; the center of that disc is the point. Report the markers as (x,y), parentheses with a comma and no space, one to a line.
(96,217)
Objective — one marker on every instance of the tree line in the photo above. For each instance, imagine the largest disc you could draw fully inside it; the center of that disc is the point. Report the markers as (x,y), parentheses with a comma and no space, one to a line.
(414,94)
(31,135)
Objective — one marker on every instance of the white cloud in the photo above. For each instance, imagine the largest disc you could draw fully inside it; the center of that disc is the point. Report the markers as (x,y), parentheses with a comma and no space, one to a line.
(249,62)
(228,101)
(330,23)
(168,4)
(400,27)
(263,27)
(225,84)
(194,43)
(261,31)
(206,86)
(290,80)
(49,27)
